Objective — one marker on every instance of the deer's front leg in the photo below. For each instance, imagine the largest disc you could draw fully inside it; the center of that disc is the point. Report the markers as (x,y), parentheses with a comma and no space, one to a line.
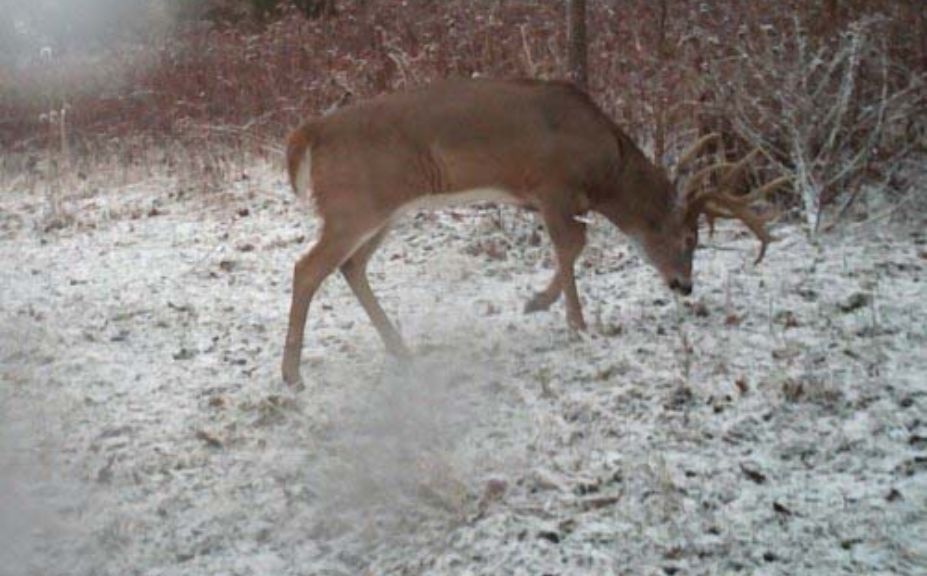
(355,272)
(568,236)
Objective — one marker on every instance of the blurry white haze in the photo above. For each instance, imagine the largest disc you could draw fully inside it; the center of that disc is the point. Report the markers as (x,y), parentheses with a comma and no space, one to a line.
(30,28)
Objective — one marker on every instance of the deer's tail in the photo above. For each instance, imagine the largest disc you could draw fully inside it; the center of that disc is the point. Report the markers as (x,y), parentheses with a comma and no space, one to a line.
(299,159)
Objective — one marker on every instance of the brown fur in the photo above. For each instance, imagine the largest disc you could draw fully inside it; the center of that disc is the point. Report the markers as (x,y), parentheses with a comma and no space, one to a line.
(546,144)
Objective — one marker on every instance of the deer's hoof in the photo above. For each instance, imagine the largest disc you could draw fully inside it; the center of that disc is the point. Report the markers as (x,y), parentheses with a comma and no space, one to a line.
(538,303)
(399,351)
(293,380)
(577,325)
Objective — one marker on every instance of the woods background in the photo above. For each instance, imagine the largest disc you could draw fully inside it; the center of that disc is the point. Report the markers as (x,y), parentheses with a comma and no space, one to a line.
(833,91)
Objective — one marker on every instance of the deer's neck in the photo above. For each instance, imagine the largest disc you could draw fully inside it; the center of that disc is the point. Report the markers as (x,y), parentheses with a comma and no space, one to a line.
(637,196)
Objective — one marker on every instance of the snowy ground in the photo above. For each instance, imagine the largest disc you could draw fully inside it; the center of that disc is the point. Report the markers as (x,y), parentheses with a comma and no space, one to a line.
(775,423)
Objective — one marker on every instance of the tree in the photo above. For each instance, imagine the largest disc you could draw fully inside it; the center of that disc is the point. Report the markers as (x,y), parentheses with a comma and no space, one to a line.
(577,57)
(315,8)
(262,10)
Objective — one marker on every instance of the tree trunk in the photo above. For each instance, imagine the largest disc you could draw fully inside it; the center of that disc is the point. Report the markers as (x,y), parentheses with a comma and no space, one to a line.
(576,20)
(659,138)
(314,9)
(828,19)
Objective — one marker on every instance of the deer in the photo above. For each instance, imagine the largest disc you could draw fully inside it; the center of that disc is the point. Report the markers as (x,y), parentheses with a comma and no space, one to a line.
(542,145)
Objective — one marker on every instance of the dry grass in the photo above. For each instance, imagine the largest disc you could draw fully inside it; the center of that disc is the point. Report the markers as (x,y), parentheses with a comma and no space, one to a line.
(207,96)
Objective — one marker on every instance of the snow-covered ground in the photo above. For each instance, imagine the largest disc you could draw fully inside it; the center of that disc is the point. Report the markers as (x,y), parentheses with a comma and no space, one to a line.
(774,423)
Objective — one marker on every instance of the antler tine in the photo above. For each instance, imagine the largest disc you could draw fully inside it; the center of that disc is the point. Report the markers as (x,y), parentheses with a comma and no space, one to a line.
(696,180)
(721,203)
(731,179)
(693,150)
(761,192)
(721,207)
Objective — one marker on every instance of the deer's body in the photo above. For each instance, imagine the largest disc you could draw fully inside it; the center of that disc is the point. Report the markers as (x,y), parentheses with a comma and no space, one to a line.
(461,137)
(536,144)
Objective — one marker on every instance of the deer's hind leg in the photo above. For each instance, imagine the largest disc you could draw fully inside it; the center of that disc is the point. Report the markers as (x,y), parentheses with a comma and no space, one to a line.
(354,270)
(336,243)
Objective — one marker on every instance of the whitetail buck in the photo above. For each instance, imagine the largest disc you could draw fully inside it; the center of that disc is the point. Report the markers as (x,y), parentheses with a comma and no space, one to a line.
(541,145)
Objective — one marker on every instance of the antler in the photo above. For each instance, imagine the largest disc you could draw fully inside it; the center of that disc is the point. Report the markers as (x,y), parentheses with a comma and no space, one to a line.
(721,203)
(693,151)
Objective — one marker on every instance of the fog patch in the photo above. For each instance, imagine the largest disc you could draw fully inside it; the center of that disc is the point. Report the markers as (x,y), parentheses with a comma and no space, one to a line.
(411,446)
(34,496)
(59,26)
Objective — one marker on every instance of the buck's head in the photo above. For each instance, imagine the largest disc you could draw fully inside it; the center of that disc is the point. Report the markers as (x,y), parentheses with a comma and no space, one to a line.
(669,243)
(669,238)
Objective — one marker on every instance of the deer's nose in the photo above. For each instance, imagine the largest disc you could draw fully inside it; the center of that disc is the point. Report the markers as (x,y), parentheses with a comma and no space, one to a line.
(683,287)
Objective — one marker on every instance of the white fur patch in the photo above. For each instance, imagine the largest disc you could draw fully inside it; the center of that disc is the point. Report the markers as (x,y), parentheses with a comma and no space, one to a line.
(304,177)
(462,198)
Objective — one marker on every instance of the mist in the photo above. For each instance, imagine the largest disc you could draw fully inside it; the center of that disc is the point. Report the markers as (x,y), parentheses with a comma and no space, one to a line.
(45,28)
(35,490)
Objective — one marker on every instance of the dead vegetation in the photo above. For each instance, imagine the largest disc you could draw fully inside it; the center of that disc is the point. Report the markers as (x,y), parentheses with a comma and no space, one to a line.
(834,97)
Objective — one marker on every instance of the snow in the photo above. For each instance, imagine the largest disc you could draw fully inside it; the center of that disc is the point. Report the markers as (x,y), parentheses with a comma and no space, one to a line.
(774,423)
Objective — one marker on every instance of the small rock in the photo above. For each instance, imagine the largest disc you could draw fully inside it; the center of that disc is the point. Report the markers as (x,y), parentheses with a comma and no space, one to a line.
(787,318)
(912,466)
(611,330)
(599,502)
(808,294)
(787,352)
(542,480)
(185,308)
(700,310)
(550,536)
(211,440)
(682,397)
(742,385)
(493,491)
(849,543)
(893,495)
(856,301)
(732,320)
(105,474)
(184,354)
(781,510)
(185,556)
(752,472)
(587,487)
(792,390)
(120,336)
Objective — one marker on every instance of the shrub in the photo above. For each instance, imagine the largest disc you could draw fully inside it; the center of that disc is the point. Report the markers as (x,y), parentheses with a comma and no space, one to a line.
(838,115)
